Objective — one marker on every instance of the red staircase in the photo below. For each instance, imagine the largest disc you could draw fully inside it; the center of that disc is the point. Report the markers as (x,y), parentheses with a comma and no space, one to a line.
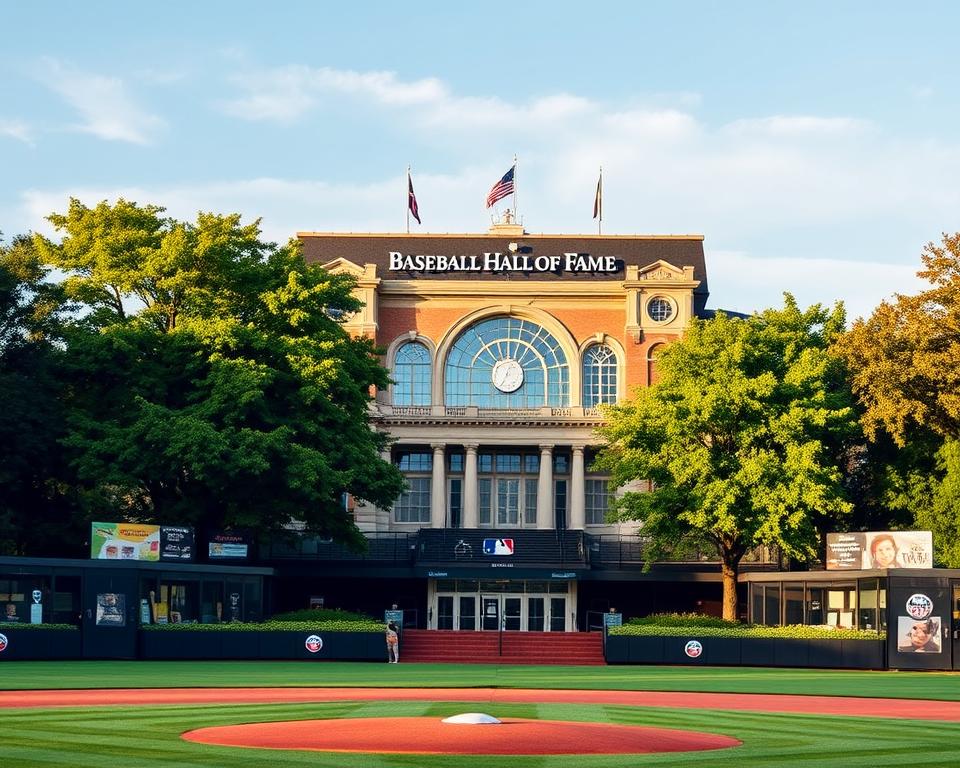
(447,647)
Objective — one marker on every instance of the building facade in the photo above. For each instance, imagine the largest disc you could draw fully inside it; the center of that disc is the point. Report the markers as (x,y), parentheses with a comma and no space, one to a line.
(502,348)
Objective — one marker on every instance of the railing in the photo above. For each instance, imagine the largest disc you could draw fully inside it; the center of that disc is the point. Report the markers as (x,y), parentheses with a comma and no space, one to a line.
(531,547)
(475,412)
(616,550)
(381,547)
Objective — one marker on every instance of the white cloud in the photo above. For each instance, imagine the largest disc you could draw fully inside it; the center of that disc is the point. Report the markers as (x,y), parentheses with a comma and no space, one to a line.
(16,129)
(751,282)
(286,93)
(106,109)
(793,126)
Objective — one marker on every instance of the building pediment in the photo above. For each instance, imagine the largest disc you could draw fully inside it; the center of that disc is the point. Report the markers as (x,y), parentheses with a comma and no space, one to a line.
(662,270)
(341,266)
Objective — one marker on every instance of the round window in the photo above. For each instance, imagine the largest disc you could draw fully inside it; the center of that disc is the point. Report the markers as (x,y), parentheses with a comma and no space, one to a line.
(660,309)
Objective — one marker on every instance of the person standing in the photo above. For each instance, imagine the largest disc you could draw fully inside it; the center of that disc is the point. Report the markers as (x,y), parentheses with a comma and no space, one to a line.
(393,643)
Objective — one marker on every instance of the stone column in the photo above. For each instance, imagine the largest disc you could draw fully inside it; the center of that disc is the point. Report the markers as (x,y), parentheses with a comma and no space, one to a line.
(438,487)
(545,517)
(471,493)
(578,513)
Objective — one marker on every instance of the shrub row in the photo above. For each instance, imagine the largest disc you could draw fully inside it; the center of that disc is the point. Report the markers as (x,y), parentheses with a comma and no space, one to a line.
(795,631)
(18,626)
(683,620)
(367,625)
(321,614)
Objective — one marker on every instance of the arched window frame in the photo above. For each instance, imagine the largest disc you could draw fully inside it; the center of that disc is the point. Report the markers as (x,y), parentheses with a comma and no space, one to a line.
(600,377)
(397,396)
(544,356)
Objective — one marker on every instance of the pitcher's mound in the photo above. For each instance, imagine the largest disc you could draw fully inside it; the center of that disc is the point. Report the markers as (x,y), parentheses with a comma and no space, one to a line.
(430,736)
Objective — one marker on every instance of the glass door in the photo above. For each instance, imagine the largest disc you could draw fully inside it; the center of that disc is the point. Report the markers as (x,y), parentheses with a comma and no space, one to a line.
(535,622)
(512,607)
(444,612)
(468,613)
(490,607)
(558,614)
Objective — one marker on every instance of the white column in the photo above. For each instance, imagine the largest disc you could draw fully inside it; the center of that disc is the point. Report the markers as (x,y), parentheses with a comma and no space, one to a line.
(471,494)
(578,513)
(545,518)
(438,488)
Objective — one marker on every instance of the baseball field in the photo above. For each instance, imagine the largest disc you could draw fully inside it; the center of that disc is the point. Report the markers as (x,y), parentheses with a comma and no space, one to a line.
(280,713)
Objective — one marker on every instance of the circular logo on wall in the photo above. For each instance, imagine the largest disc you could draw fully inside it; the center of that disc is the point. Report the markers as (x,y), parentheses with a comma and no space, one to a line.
(693,649)
(919,606)
(3,643)
(313,643)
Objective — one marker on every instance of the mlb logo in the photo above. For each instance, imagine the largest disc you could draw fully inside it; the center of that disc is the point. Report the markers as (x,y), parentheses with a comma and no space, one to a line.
(498,546)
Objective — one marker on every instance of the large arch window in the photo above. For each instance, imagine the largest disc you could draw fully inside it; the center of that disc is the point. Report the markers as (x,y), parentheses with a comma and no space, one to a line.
(599,376)
(506,362)
(411,375)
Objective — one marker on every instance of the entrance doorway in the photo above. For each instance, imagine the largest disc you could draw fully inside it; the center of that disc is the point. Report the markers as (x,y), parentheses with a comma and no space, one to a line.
(513,606)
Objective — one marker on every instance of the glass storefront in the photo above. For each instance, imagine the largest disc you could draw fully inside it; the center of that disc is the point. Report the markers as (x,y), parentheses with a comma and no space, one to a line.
(511,605)
(859,604)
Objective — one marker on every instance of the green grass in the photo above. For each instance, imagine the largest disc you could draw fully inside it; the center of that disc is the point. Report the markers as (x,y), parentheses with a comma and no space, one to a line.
(150,736)
(174,674)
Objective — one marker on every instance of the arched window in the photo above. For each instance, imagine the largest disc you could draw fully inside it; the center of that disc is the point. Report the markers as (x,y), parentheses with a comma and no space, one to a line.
(506,362)
(599,376)
(411,375)
(652,354)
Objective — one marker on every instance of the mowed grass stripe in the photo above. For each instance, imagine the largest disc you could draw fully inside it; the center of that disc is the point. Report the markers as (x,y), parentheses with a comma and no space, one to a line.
(150,736)
(96,674)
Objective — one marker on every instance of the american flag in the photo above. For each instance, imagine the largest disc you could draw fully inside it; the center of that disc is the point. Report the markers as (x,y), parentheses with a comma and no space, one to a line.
(412,199)
(502,188)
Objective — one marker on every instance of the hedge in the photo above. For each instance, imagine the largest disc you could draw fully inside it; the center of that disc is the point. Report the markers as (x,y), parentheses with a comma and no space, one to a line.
(18,626)
(271,626)
(795,631)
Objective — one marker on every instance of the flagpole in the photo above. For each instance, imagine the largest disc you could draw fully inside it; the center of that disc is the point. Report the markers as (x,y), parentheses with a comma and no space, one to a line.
(516,215)
(600,202)
(408,198)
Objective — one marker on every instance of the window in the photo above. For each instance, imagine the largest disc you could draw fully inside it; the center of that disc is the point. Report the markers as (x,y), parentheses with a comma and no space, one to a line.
(411,375)
(597,500)
(599,376)
(413,506)
(530,502)
(506,362)
(653,375)
(660,309)
(414,461)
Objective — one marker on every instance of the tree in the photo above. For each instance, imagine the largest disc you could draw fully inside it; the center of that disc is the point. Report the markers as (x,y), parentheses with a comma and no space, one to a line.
(905,358)
(905,366)
(210,385)
(36,505)
(741,436)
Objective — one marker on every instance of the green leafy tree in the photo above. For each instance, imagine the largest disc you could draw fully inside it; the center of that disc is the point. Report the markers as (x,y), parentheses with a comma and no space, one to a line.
(742,437)
(905,367)
(36,504)
(209,383)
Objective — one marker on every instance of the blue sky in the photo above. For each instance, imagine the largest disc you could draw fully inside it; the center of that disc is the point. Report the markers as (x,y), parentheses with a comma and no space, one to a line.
(815,147)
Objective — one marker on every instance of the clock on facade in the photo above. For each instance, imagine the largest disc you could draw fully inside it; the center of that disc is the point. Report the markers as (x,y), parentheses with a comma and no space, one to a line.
(507,375)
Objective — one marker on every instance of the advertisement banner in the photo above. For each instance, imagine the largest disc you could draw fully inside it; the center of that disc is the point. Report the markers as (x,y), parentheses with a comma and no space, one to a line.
(176,543)
(879,549)
(124,541)
(228,546)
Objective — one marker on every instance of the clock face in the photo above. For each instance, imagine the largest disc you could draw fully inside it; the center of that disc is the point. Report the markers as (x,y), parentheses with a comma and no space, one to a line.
(507,375)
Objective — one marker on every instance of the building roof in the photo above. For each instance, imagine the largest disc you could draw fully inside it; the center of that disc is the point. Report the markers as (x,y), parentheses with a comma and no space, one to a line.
(639,250)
